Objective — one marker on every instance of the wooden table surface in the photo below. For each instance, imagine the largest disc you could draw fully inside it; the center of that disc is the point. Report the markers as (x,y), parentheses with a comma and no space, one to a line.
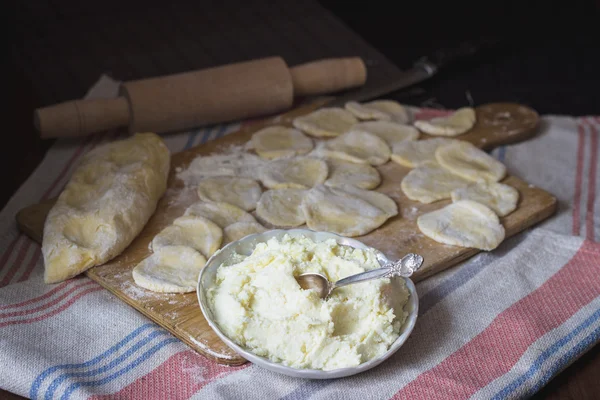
(542,89)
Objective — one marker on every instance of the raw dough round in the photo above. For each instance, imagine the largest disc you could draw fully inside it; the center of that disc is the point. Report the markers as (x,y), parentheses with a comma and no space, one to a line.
(453,125)
(195,232)
(358,147)
(242,229)
(281,207)
(294,173)
(241,192)
(391,132)
(412,153)
(499,197)
(466,160)
(325,122)
(362,176)
(279,141)
(222,214)
(386,110)
(173,269)
(464,223)
(347,211)
(431,182)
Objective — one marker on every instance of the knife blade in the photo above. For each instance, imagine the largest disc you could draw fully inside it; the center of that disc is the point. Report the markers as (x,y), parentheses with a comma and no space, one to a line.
(422,69)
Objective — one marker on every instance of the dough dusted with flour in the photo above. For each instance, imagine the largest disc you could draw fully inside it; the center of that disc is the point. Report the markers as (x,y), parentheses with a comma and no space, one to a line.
(358,147)
(342,173)
(453,125)
(241,192)
(172,269)
(325,122)
(470,162)
(464,223)
(194,232)
(431,182)
(238,230)
(347,210)
(104,206)
(279,141)
(222,214)
(235,162)
(411,154)
(294,173)
(281,207)
(391,132)
(386,110)
(499,197)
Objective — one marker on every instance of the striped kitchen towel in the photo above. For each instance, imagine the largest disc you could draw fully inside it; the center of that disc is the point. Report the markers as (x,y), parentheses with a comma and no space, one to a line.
(498,326)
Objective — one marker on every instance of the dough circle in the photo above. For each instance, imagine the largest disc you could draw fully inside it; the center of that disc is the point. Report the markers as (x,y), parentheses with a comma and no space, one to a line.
(391,132)
(279,141)
(239,230)
(431,182)
(173,269)
(281,207)
(470,162)
(362,176)
(358,147)
(194,232)
(241,192)
(293,173)
(347,210)
(464,223)
(453,125)
(222,214)
(411,154)
(325,122)
(386,110)
(499,197)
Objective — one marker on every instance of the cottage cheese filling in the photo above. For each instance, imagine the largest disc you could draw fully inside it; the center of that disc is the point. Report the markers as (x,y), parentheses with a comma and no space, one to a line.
(258,304)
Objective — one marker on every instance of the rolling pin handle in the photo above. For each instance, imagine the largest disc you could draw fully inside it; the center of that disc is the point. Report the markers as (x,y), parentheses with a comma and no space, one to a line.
(81,117)
(328,76)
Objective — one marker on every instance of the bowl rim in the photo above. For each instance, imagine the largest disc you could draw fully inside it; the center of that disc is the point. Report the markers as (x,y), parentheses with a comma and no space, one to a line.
(406,329)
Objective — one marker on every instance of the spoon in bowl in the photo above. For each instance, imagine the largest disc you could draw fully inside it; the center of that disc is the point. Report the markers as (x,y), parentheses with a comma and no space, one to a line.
(404,267)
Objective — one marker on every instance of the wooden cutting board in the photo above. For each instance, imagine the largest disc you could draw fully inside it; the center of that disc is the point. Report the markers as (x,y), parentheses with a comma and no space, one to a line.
(496,124)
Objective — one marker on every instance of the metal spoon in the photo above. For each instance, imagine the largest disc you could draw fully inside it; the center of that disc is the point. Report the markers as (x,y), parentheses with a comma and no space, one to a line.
(404,267)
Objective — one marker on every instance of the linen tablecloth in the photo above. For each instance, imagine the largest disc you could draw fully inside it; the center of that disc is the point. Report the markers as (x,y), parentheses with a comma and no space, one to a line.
(499,325)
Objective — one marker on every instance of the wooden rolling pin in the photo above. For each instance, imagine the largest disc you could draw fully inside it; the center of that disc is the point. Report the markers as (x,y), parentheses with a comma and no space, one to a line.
(197,98)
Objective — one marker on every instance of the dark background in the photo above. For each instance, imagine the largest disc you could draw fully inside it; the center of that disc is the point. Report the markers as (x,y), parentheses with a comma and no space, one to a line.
(546,55)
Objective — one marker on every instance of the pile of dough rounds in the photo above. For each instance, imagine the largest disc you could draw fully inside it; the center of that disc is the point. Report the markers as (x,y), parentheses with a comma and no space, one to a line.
(326,183)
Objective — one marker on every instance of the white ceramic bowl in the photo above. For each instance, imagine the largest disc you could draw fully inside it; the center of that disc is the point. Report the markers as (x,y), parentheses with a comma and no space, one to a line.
(245,246)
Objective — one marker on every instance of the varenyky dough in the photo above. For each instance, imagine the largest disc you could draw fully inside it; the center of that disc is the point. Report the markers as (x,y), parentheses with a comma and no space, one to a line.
(358,147)
(104,206)
(386,110)
(347,211)
(238,230)
(281,207)
(279,141)
(222,214)
(325,122)
(294,173)
(499,197)
(195,232)
(362,176)
(466,160)
(391,132)
(453,125)
(172,269)
(431,182)
(411,154)
(241,192)
(464,223)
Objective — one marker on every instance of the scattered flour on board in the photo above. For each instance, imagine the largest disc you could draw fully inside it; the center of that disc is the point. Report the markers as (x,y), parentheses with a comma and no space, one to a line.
(233,161)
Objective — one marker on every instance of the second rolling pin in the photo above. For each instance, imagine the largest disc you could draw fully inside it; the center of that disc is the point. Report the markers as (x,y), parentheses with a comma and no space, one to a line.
(192,99)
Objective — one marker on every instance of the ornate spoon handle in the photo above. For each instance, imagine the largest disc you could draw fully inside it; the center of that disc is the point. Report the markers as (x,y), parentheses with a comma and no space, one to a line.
(404,267)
